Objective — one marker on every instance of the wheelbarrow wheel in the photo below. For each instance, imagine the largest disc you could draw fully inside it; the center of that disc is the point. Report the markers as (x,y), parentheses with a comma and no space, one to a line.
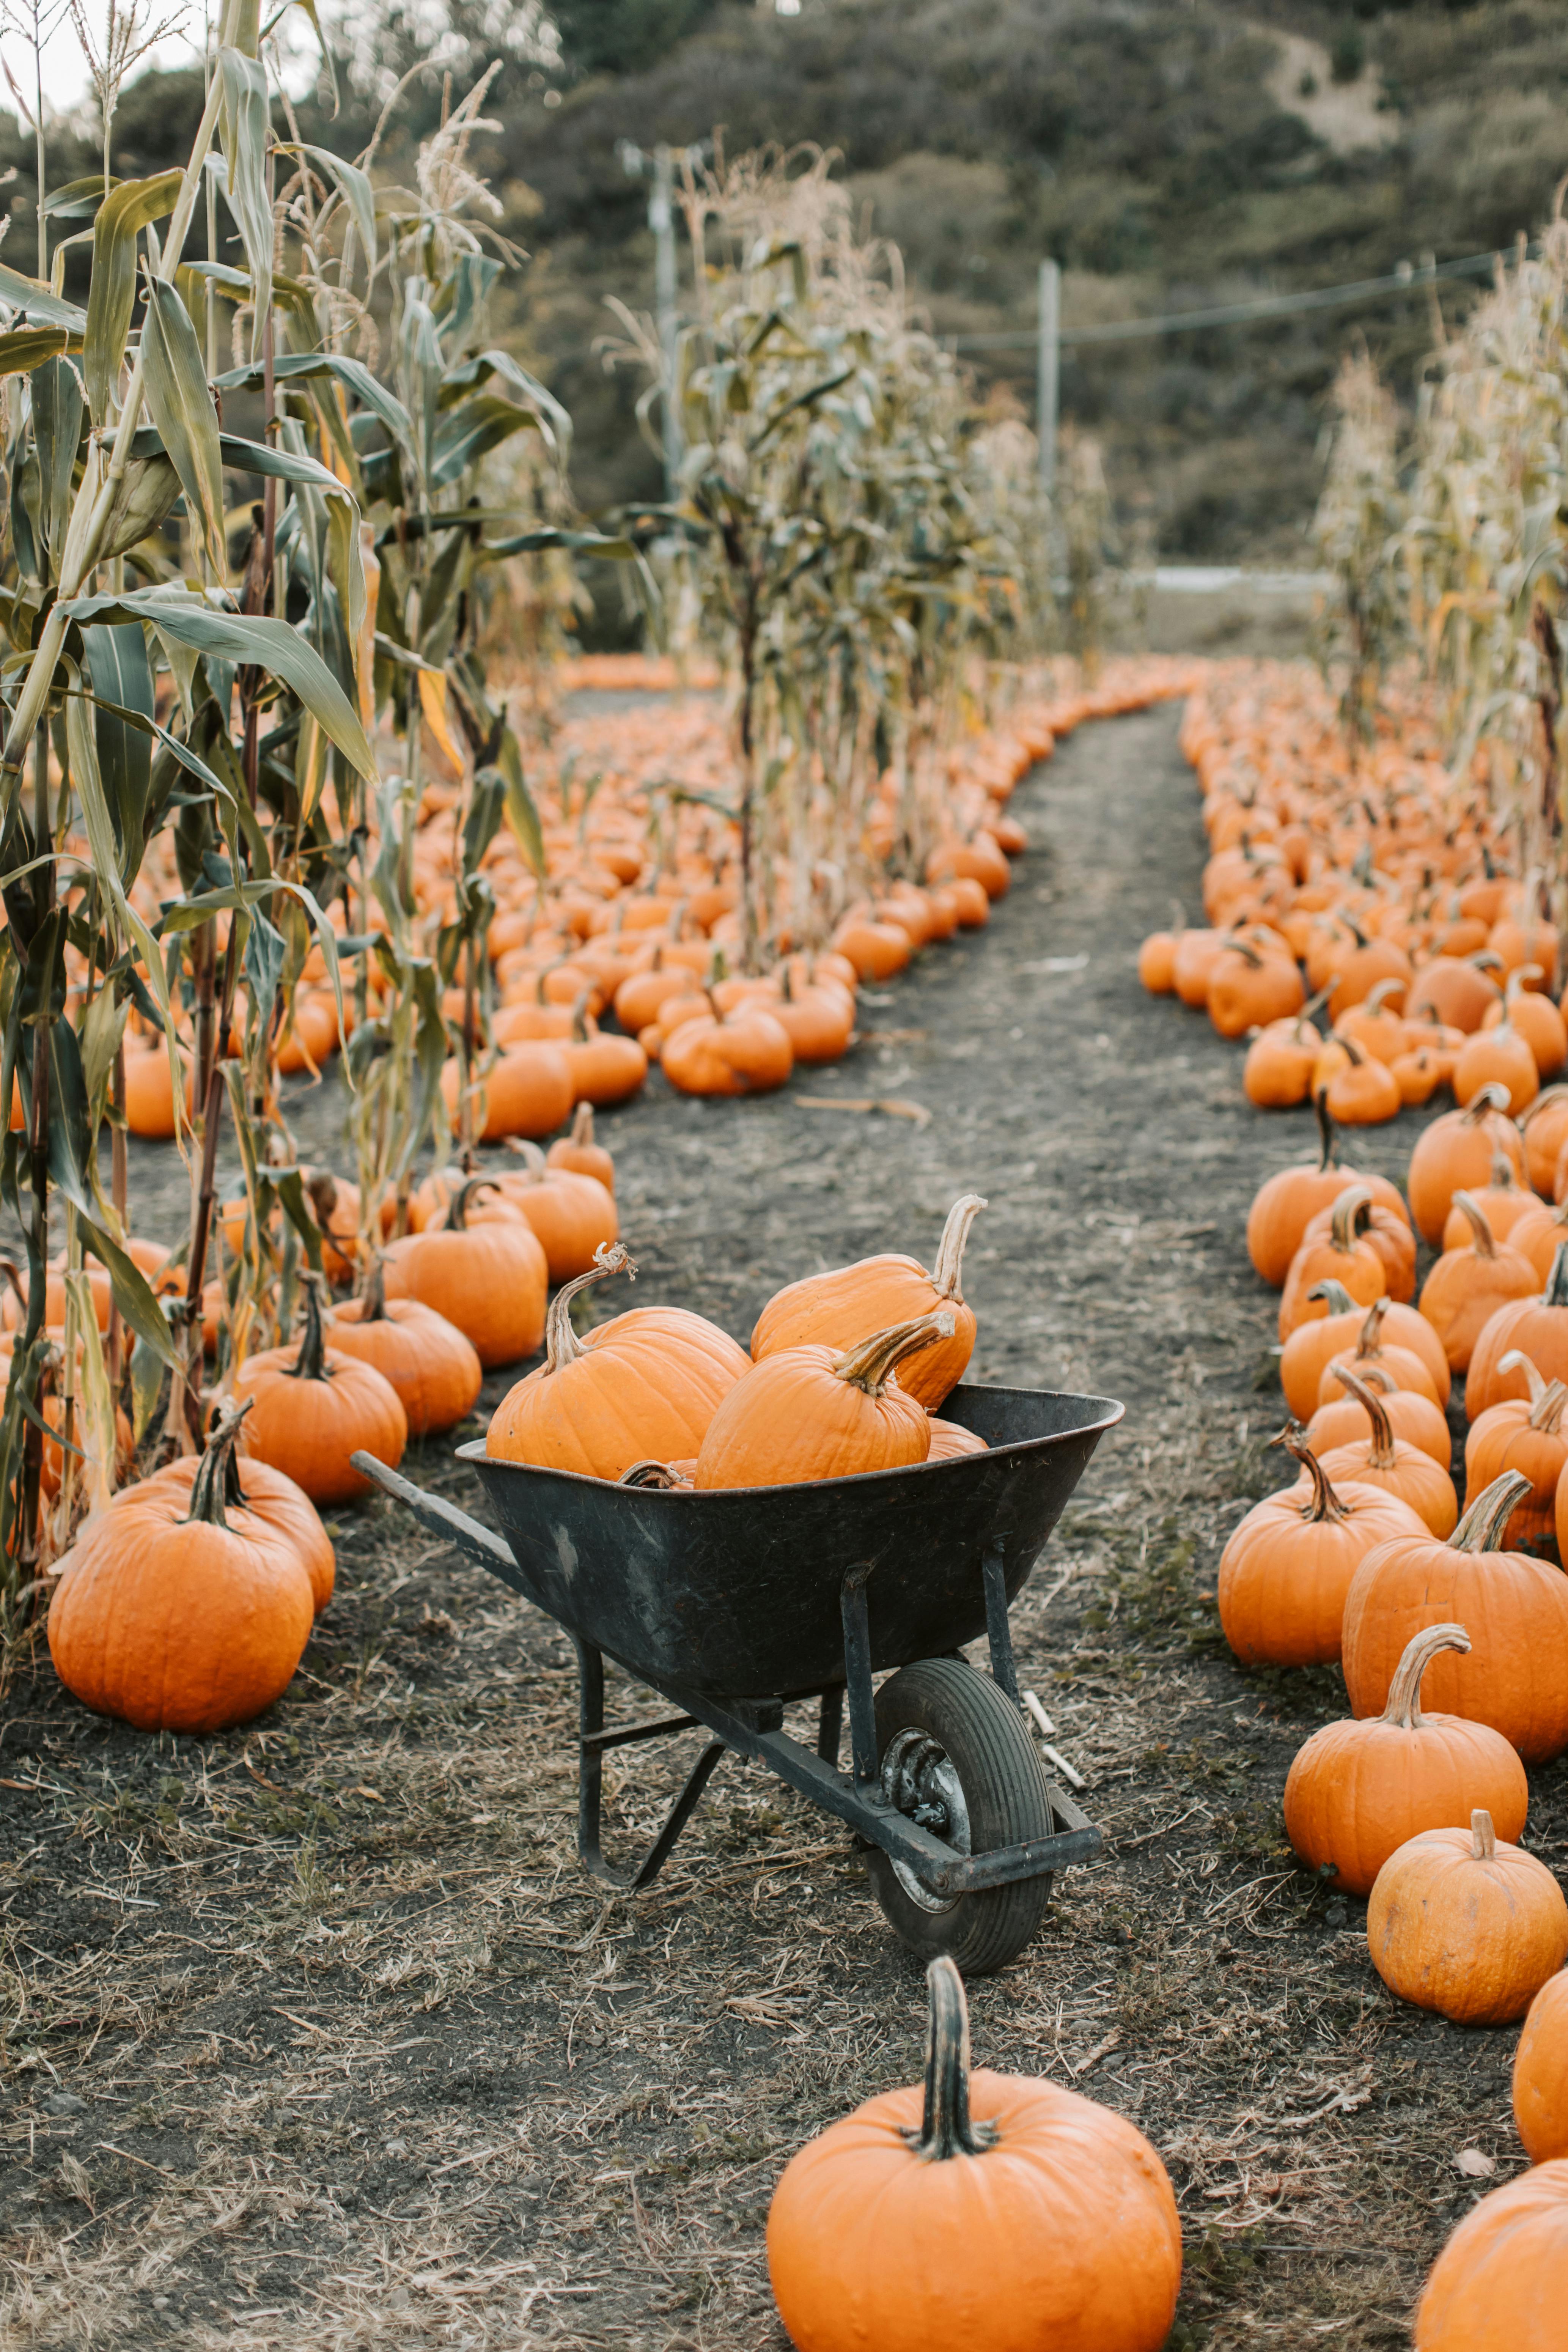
(957,1757)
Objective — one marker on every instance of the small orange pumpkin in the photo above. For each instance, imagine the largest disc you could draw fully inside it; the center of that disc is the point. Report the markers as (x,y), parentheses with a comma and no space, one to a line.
(1412,1414)
(1343,1255)
(1467,1287)
(314,1407)
(1285,1570)
(1455,1154)
(836,1310)
(808,1412)
(1461,1924)
(488,1276)
(1527,1438)
(435,1370)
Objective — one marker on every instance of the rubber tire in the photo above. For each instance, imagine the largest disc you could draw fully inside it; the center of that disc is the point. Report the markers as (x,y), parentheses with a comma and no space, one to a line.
(990,1749)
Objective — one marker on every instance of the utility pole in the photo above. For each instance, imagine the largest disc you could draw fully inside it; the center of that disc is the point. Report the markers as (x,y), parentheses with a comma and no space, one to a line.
(660,167)
(1051,360)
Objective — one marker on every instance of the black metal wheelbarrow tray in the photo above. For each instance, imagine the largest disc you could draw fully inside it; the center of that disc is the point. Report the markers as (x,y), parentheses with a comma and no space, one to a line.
(736,1604)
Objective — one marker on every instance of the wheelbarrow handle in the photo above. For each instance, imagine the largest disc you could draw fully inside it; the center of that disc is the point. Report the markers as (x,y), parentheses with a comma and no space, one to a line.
(441,1518)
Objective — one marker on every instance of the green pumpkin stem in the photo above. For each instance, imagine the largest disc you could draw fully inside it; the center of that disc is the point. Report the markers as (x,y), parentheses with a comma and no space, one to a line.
(1403,1707)
(217,1481)
(947,2129)
(311,1364)
(1482,1527)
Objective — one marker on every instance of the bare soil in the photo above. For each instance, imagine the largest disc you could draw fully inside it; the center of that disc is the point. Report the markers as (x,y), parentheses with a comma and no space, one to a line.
(317,2032)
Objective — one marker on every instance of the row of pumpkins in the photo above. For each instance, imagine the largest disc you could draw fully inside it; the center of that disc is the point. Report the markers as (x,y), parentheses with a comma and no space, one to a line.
(1362,932)
(1356,891)
(186,1604)
(638,919)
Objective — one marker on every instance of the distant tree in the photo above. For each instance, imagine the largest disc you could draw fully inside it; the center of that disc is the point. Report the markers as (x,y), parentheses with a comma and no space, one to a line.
(619,37)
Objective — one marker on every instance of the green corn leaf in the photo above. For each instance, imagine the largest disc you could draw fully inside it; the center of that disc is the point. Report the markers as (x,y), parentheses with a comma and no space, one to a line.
(270,644)
(242,133)
(300,367)
(466,434)
(33,301)
(183,411)
(520,812)
(112,293)
(353,184)
(27,347)
(121,677)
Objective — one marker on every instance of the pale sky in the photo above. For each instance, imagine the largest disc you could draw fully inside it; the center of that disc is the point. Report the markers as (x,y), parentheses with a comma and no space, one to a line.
(67,83)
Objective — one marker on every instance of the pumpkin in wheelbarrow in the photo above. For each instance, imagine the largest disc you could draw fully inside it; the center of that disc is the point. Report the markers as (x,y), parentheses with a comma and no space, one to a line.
(838,1310)
(982,2213)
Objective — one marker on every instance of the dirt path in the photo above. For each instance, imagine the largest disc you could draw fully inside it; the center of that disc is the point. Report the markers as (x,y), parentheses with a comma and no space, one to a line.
(318,2033)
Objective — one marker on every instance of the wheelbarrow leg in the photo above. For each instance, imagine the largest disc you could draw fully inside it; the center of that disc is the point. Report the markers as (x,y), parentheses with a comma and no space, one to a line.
(999,1633)
(590,1783)
(830,1724)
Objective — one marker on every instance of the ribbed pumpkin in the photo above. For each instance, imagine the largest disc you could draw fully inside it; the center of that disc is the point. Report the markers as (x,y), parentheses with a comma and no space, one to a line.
(1341,1257)
(836,1310)
(1285,1203)
(1467,1287)
(1399,1467)
(644,1387)
(1412,1415)
(1516,1608)
(175,1614)
(1536,1327)
(526,1090)
(1455,1154)
(1544,1128)
(809,1412)
(949,1443)
(275,1499)
(1525,1437)
(1538,1234)
(435,1370)
(1461,1924)
(1287,1568)
(1388,1232)
(579,1153)
(1540,2075)
(1504,1202)
(1400,1367)
(1312,1346)
(573,1215)
(1496,2286)
(314,1407)
(490,1278)
(1358,1790)
(987,2214)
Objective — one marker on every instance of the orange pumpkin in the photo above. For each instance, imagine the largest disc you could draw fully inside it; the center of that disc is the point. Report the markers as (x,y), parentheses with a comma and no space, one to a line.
(645,1387)
(1544,1128)
(746,1052)
(1541,2073)
(835,1310)
(488,1276)
(275,1499)
(1527,1438)
(1466,1287)
(314,1407)
(1499,1056)
(1381,1459)
(174,1615)
(526,1090)
(1464,1926)
(1312,1347)
(1516,1608)
(435,1370)
(1505,1202)
(1496,2286)
(949,1443)
(1400,1368)
(1278,1072)
(1358,1791)
(1412,1414)
(1385,1231)
(1343,1256)
(1287,1568)
(1285,1203)
(573,1216)
(579,1153)
(1455,1154)
(1534,1018)
(807,1412)
(1536,1327)
(985,2213)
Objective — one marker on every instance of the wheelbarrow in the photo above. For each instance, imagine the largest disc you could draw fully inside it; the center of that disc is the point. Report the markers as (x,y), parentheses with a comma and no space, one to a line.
(737,1603)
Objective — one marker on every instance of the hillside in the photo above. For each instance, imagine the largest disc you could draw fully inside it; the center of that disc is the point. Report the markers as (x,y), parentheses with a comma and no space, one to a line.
(1168,153)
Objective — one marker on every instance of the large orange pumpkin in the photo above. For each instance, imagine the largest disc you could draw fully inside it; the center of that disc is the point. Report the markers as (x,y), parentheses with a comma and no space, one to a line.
(644,1387)
(1455,1154)
(835,1310)
(1466,1287)
(274,1498)
(984,2213)
(489,1276)
(808,1412)
(1541,2073)
(1515,1608)
(175,1614)
(315,1407)
(1529,1437)
(1535,1328)
(1285,1203)
(1462,1924)
(1287,1568)
(1358,1790)
(435,1370)
(1496,2286)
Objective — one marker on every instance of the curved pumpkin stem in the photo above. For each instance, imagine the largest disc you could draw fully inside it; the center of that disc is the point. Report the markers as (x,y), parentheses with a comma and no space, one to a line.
(1328,1142)
(1481,1237)
(1503,1177)
(1325,1504)
(1490,1097)
(457,1206)
(1483,1836)
(1369,1339)
(1373,999)
(1338,1297)
(1351,1214)
(651,1473)
(580,1016)
(947,1279)
(1482,1527)
(562,1345)
(871,1364)
(534,1165)
(1547,1398)
(211,1488)
(1515,984)
(1383,1454)
(947,2129)
(582,1124)
(1403,1706)
(311,1364)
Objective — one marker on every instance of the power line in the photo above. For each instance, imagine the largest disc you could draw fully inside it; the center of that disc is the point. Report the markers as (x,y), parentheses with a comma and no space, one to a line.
(1233,314)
